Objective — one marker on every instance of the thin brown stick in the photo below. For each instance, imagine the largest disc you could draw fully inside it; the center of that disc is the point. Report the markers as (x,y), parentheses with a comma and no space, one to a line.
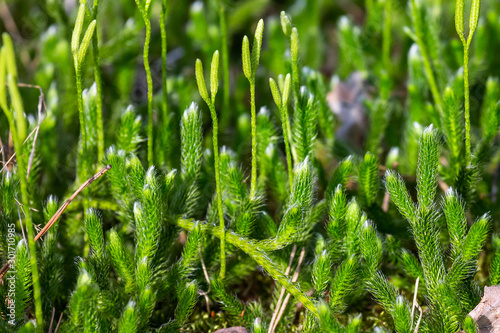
(201,292)
(386,201)
(63,207)
(52,319)
(295,277)
(205,272)
(415,304)
(59,323)
(8,21)
(56,216)
(4,270)
(282,293)
(207,300)
(419,318)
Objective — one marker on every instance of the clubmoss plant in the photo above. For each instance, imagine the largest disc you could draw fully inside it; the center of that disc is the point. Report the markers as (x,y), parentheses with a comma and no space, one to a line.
(368,179)
(459,26)
(79,50)
(453,130)
(304,125)
(281,100)
(210,101)
(128,321)
(307,236)
(292,35)
(144,9)
(445,287)
(250,65)
(260,257)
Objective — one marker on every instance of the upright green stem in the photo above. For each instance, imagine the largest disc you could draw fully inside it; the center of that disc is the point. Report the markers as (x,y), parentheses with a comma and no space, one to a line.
(79,99)
(250,65)
(219,191)
(459,26)
(286,130)
(225,64)
(296,81)
(84,159)
(98,82)
(150,89)
(467,106)
(79,50)
(253,184)
(83,133)
(259,256)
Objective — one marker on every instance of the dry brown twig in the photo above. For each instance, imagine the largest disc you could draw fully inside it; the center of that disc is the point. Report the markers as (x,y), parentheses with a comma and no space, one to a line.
(416,305)
(205,272)
(59,323)
(282,293)
(295,277)
(52,319)
(59,212)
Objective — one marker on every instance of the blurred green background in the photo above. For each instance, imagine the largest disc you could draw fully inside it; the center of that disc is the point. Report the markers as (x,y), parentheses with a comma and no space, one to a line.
(41,31)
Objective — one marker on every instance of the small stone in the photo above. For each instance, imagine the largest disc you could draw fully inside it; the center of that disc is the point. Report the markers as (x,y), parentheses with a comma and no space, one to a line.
(236,329)
(487,313)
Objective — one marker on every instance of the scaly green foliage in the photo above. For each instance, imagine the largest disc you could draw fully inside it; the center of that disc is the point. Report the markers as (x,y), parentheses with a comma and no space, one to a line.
(451,307)
(271,218)
(368,179)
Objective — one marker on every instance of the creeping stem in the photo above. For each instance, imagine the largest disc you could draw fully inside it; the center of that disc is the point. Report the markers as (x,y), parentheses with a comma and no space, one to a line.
(261,257)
